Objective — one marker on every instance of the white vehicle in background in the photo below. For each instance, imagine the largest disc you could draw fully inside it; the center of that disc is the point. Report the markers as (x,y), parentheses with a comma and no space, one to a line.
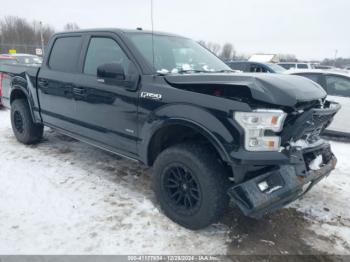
(27,59)
(337,86)
(296,65)
(325,67)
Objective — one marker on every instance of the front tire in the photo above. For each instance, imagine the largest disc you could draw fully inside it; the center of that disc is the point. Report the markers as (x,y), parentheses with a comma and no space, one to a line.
(191,185)
(23,126)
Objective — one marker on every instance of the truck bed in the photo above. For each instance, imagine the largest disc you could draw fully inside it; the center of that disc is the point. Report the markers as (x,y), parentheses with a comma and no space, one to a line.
(18,74)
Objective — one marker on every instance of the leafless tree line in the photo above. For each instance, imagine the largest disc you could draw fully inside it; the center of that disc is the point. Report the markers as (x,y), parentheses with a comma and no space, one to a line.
(24,36)
(226,52)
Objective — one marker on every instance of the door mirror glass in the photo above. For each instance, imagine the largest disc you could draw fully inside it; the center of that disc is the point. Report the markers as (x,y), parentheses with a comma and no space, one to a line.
(111,71)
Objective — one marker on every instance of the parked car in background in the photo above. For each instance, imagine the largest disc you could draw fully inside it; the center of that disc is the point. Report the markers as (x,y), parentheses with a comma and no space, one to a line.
(337,85)
(19,59)
(27,59)
(324,67)
(1,75)
(293,65)
(255,67)
(7,59)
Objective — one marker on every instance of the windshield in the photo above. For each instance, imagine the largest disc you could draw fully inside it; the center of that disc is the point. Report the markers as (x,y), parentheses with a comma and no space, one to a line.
(277,68)
(176,54)
(29,59)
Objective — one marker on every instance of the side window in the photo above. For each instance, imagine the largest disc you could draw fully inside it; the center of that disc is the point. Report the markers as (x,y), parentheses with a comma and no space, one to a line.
(65,54)
(313,77)
(338,85)
(254,68)
(101,51)
(302,66)
(287,66)
(237,66)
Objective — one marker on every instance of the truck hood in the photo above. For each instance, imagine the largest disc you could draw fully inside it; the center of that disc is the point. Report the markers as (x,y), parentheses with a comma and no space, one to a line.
(278,89)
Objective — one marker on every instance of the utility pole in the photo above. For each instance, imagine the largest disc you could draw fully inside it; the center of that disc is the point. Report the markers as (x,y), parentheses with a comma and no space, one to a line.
(42,38)
(335,56)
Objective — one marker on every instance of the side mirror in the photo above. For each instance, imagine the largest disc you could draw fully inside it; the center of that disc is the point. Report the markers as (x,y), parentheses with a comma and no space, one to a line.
(112,71)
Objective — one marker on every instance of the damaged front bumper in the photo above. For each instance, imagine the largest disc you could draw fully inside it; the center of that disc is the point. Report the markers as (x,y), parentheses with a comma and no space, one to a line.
(293,171)
(276,188)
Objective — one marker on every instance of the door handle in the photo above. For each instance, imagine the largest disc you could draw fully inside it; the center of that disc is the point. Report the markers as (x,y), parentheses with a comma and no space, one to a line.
(43,82)
(79,91)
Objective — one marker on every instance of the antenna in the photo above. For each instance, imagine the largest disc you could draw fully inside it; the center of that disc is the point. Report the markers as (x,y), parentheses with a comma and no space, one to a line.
(152,34)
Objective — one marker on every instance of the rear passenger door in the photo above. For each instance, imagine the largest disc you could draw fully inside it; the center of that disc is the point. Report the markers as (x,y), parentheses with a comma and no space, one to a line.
(56,81)
(107,111)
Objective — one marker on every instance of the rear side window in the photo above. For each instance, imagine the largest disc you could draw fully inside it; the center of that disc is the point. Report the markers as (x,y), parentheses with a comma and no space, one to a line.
(338,85)
(287,66)
(237,66)
(65,54)
(257,69)
(313,77)
(103,51)
(302,66)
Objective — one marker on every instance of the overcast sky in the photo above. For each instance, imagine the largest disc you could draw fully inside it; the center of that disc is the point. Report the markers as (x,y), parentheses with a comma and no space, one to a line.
(310,29)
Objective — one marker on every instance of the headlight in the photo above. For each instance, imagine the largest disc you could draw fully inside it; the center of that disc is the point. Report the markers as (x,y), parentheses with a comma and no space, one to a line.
(256,123)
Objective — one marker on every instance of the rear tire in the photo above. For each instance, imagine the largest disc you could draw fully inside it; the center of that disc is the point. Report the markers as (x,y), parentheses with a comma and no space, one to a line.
(191,185)
(23,126)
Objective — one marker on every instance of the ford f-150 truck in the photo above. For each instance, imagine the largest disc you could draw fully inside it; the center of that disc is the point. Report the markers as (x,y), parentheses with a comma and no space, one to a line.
(209,133)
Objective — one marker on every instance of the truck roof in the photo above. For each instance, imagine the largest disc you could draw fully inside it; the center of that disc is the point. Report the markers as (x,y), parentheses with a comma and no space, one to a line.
(118,31)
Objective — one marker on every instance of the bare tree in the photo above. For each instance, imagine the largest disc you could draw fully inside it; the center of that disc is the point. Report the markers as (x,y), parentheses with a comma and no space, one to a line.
(241,57)
(71,27)
(228,52)
(287,58)
(339,62)
(202,43)
(17,33)
(213,47)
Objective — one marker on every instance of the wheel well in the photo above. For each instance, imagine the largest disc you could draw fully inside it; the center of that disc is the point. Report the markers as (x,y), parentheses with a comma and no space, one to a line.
(175,134)
(17,94)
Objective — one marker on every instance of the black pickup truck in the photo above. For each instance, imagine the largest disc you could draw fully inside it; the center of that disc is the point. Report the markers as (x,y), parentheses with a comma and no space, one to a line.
(210,134)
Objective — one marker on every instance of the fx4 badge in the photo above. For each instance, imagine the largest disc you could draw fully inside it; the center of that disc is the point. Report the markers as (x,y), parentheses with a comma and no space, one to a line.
(152,96)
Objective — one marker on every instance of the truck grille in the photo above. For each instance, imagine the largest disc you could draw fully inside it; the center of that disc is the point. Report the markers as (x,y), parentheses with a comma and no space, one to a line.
(309,125)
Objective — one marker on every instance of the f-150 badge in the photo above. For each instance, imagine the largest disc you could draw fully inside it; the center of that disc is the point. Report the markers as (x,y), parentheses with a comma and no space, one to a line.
(152,96)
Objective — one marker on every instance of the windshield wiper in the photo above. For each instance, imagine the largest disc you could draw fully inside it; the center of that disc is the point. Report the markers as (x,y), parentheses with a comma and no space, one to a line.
(224,71)
(191,71)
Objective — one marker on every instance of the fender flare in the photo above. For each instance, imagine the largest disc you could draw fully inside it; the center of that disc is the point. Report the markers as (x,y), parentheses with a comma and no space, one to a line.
(15,88)
(167,116)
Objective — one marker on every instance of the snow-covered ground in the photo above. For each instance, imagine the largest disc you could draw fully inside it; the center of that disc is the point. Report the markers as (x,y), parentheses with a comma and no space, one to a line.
(65,197)
(327,205)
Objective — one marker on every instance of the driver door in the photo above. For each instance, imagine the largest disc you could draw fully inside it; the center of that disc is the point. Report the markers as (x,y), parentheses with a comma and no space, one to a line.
(107,111)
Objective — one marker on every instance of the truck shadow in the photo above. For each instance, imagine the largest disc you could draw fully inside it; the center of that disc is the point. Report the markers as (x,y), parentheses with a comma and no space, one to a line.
(94,160)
